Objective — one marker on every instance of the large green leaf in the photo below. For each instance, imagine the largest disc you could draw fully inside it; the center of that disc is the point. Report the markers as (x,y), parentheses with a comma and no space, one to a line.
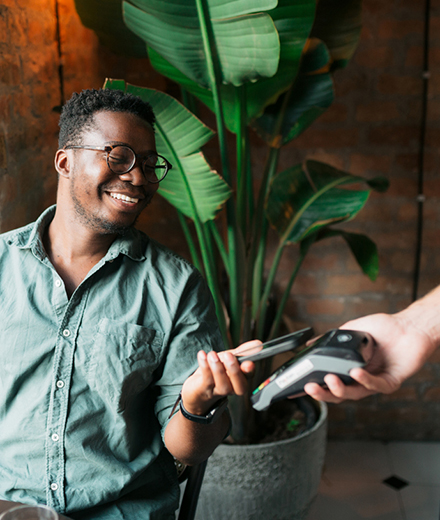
(105,18)
(311,94)
(247,43)
(293,20)
(363,248)
(338,24)
(191,186)
(308,197)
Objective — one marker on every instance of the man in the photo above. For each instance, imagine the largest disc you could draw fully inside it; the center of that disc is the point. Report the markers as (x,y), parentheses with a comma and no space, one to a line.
(404,342)
(99,332)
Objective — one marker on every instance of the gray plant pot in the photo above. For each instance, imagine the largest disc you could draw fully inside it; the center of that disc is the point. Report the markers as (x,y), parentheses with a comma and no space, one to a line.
(276,481)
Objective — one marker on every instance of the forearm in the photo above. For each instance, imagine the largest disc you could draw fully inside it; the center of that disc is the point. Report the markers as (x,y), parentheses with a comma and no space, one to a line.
(424,315)
(192,443)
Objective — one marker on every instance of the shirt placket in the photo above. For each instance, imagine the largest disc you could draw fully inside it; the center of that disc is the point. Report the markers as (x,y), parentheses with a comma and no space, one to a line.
(69,323)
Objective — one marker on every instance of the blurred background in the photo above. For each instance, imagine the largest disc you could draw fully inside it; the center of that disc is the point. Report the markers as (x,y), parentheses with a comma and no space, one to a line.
(375,127)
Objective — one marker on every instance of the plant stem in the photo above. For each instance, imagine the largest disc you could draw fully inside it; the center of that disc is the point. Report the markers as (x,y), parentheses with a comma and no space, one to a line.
(189,240)
(215,79)
(242,160)
(221,247)
(285,297)
(259,232)
(261,315)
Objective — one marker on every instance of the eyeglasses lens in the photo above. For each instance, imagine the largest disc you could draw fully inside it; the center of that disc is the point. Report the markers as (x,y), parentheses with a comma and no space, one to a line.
(155,168)
(121,159)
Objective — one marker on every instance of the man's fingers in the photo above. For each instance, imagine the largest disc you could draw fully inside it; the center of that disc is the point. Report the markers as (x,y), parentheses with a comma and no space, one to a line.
(228,376)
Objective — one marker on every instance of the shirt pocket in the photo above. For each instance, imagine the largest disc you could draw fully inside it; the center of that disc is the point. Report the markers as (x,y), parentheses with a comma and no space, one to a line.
(123,360)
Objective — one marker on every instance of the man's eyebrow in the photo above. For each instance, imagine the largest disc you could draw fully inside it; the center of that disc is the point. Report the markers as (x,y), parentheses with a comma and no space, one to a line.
(126,144)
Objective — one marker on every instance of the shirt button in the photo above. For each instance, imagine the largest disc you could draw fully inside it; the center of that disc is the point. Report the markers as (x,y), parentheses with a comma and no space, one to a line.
(66,333)
(60,384)
(54,486)
(58,283)
(55,437)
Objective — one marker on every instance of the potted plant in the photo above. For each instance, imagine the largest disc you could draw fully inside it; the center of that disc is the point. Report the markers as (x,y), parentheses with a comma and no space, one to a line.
(264,66)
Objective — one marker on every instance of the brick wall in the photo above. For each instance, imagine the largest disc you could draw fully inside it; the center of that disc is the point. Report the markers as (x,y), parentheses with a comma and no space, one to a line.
(371,129)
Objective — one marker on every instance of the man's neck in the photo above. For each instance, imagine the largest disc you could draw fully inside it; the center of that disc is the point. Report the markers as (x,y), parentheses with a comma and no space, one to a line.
(74,249)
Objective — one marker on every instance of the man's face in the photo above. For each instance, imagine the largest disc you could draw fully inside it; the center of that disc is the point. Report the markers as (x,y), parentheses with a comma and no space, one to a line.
(102,200)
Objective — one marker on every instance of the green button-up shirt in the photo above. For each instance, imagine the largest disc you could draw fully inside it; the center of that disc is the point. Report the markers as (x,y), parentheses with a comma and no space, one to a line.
(87,383)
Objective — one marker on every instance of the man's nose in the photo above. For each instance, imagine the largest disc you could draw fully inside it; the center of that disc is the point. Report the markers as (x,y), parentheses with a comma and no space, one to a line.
(135,176)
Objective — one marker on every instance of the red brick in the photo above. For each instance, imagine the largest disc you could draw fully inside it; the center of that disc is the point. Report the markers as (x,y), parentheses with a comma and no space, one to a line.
(398,29)
(409,414)
(386,240)
(432,394)
(434,57)
(404,136)
(402,187)
(363,307)
(337,138)
(434,86)
(402,261)
(435,358)
(375,57)
(3,152)
(398,85)
(329,158)
(376,7)
(307,284)
(433,112)
(407,212)
(317,262)
(434,26)
(409,162)
(377,111)
(406,393)
(361,164)
(331,307)
(414,57)
(336,113)
(432,137)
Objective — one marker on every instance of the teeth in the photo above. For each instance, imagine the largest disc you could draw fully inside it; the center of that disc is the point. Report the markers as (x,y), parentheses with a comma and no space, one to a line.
(119,196)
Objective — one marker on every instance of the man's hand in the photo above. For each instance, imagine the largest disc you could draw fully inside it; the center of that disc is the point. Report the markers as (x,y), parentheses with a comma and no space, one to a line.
(219,374)
(402,347)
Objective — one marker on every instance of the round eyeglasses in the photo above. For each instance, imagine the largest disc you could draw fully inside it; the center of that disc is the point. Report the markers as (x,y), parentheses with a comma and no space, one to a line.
(122,159)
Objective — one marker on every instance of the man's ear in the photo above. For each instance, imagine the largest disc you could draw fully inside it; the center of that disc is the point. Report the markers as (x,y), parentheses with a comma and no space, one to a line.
(62,163)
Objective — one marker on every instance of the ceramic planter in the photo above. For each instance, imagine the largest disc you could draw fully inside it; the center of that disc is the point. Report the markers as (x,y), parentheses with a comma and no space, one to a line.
(276,481)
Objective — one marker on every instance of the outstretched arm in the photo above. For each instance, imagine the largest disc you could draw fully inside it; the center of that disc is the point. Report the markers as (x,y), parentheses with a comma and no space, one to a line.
(404,342)
(219,375)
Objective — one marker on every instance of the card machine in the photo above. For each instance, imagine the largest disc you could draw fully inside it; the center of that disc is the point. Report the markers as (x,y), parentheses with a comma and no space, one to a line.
(336,352)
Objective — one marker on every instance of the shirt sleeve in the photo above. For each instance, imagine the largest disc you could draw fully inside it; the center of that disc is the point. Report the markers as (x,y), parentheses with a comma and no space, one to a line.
(195,328)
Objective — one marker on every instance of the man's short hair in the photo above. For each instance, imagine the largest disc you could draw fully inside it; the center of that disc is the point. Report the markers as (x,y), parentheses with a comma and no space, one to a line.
(77,114)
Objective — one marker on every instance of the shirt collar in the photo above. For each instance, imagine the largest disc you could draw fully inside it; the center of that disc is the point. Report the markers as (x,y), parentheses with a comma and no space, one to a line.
(132,244)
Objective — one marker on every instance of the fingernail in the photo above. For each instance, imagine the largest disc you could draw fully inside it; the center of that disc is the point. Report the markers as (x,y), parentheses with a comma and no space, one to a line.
(212,356)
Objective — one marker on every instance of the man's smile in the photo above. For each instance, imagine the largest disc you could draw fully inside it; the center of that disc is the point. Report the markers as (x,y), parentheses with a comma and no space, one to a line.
(126,198)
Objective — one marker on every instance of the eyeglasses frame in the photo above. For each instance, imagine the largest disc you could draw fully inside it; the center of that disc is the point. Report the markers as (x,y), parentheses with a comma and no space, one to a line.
(109,147)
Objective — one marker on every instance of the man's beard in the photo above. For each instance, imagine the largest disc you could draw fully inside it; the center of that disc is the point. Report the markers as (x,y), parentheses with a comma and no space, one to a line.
(97,223)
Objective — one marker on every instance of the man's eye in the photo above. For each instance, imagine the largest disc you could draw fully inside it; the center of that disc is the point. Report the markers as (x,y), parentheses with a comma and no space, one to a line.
(117,159)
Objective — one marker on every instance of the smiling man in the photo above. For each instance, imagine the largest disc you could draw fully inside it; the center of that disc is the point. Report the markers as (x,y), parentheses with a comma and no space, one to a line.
(107,340)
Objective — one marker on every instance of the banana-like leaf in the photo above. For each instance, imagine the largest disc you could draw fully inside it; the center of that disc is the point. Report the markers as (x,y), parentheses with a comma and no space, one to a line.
(363,248)
(338,24)
(105,18)
(293,20)
(247,43)
(308,197)
(191,186)
(311,94)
